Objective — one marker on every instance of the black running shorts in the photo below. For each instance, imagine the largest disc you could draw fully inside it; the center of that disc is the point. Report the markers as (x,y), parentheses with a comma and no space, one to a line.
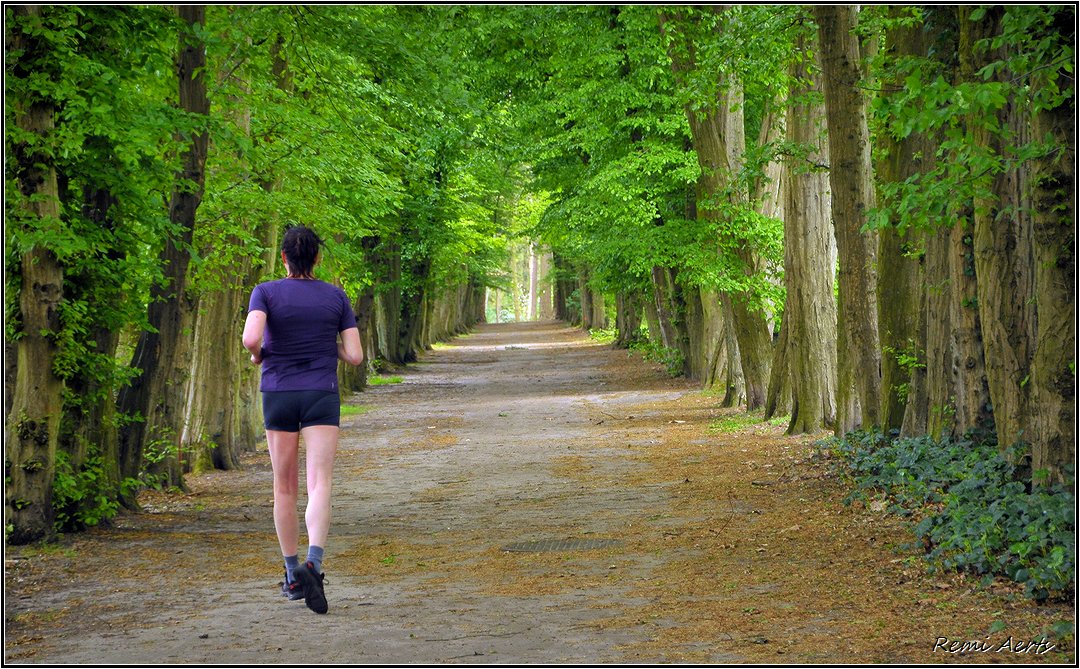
(292,410)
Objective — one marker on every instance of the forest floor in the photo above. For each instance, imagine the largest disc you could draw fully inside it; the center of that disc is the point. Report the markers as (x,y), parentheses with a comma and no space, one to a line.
(678,532)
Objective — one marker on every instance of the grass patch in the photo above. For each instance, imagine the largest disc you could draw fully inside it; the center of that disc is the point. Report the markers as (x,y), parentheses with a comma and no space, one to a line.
(354,409)
(736,422)
(384,380)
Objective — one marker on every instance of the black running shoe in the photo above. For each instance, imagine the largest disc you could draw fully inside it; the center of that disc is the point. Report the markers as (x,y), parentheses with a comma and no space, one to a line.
(291,591)
(311,582)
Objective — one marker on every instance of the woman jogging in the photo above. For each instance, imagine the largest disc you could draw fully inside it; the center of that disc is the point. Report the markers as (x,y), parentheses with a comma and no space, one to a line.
(297,329)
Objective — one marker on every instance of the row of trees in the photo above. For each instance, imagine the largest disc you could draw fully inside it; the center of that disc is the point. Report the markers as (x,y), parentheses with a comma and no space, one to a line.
(154,156)
(863,218)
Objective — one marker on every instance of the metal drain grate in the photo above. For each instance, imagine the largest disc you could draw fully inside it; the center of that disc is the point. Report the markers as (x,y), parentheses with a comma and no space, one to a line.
(559,545)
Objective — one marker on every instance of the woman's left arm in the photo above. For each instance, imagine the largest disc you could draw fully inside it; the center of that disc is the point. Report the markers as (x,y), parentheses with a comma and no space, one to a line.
(349,348)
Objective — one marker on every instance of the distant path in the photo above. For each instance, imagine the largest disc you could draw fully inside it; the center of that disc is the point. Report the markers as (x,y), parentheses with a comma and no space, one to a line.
(675,539)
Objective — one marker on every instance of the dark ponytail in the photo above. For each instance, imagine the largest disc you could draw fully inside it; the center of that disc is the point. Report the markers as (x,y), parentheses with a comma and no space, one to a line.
(301,247)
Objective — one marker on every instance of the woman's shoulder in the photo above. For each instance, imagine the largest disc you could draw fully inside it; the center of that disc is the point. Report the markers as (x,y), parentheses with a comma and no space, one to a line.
(330,287)
(268,286)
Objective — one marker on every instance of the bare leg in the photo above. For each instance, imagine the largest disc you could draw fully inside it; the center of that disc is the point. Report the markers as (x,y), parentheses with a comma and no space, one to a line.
(320,443)
(284,448)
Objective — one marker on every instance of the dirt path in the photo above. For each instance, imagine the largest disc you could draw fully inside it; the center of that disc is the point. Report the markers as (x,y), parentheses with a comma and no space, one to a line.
(677,532)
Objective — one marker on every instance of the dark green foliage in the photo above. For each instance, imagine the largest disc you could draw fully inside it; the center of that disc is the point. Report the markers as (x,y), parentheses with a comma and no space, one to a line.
(967,507)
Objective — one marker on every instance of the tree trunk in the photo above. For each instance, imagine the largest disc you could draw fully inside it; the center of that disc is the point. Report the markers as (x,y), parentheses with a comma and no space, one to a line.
(713,338)
(585,295)
(208,429)
(33,424)
(534,283)
(719,142)
(778,398)
(627,318)
(599,310)
(734,382)
(388,304)
(851,183)
(672,314)
(898,266)
(547,311)
(1001,246)
(157,393)
(809,261)
(1053,375)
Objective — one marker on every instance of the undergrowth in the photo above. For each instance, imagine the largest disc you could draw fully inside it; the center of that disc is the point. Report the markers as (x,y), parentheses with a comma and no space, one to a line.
(80,495)
(670,358)
(967,508)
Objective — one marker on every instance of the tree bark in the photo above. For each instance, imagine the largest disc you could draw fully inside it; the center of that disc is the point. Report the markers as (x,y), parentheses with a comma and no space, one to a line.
(809,259)
(851,183)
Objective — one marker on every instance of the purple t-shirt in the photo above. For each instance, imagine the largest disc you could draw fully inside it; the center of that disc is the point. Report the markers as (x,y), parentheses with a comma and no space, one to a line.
(303,319)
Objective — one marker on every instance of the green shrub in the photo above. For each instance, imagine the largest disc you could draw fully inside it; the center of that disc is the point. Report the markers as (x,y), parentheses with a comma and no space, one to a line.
(670,358)
(967,507)
(81,498)
(604,335)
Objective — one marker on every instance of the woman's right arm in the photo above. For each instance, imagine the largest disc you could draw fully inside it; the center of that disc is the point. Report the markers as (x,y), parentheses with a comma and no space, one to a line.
(254,328)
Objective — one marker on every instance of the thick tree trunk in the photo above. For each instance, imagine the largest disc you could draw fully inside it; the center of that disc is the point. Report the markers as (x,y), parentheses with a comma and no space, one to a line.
(734,382)
(851,182)
(599,310)
(1001,245)
(157,394)
(208,430)
(1053,375)
(713,338)
(364,308)
(898,266)
(34,422)
(567,309)
(809,262)
(33,425)
(778,400)
(89,426)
